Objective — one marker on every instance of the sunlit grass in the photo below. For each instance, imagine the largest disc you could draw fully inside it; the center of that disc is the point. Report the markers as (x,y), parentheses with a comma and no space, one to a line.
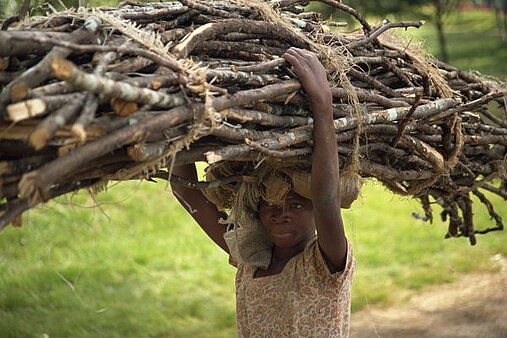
(397,253)
(145,269)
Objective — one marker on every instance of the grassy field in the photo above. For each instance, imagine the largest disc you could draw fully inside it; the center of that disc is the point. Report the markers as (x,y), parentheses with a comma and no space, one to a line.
(139,266)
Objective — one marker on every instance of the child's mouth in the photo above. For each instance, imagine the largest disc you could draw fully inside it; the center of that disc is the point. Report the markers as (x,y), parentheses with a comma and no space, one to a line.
(281,235)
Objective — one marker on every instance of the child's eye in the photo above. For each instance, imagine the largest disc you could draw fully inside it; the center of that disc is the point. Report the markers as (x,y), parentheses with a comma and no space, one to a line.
(296,206)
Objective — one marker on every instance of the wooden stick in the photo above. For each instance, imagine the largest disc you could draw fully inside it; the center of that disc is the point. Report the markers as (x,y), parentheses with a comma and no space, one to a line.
(210,10)
(40,137)
(376,33)
(65,70)
(17,207)
(91,102)
(37,107)
(35,75)
(254,116)
(212,30)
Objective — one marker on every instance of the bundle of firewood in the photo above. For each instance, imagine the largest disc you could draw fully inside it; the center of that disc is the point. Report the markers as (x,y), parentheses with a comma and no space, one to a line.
(124,93)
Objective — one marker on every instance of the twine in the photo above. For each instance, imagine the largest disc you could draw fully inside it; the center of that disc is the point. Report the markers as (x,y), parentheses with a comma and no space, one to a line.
(423,64)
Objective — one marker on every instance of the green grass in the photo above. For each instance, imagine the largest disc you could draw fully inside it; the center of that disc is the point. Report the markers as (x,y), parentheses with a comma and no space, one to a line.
(398,254)
(141,267)
(144,270)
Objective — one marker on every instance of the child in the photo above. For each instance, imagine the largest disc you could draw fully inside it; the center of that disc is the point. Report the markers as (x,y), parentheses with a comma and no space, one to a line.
(305,289)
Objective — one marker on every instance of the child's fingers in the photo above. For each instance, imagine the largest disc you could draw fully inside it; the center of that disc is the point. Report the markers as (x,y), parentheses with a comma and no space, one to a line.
(304,60)
(294,60)
(292,52)
(304,53)
(300,53)
(308,59)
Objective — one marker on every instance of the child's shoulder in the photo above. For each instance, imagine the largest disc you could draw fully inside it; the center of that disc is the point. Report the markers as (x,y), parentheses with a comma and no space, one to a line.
(315,261)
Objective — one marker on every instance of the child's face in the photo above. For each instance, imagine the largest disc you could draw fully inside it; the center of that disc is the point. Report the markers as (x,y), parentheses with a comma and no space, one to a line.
(290,223)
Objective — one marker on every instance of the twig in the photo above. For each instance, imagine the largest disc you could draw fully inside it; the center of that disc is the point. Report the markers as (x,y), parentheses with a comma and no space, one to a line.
(375,34)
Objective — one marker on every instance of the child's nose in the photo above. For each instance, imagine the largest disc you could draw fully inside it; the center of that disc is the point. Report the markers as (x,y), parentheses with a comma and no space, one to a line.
(278,214)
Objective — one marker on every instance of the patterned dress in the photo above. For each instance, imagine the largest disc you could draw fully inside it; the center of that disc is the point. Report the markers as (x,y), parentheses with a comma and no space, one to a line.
(303,300)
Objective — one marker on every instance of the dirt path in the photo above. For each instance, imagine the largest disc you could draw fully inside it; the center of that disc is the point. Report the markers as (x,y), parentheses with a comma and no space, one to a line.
(474,307)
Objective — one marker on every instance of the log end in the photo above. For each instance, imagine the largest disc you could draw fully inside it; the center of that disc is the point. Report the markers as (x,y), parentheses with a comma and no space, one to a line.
(156,84)
(4,63)
(212,157)
(17,222)
(30,190)
(66,149)
(124,108)
(26,109)
(39,138)
(62,68)
(79,131)
(136,153)
(5,169)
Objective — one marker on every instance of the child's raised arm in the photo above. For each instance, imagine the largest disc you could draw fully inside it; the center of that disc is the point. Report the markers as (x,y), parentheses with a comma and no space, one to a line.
(204,212)
(325,168)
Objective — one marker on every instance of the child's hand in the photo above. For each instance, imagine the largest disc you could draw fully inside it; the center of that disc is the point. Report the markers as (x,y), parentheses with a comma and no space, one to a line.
(325,168)
(312,75)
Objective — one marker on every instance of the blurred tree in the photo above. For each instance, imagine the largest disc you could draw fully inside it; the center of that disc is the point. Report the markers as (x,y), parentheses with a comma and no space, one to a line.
(441,8)
(433,11)
(500,7)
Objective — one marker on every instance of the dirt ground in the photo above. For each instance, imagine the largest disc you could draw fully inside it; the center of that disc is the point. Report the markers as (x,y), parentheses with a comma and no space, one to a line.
(473,307)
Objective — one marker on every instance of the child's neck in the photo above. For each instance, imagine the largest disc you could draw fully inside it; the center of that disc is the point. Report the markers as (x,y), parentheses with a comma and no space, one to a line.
(284,254)
(280,257)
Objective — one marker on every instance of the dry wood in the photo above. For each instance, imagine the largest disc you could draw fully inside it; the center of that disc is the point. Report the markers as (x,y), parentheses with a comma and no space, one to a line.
(17,89)
(18,43)
(96,84)
(36,107)
(45,131)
